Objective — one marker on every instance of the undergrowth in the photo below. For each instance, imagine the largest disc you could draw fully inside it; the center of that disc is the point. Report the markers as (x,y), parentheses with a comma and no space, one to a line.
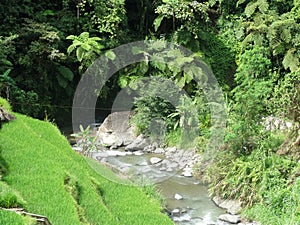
(266,183)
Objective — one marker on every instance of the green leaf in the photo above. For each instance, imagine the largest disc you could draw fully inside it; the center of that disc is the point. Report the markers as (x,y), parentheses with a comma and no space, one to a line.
(110,55)
(79,54)
(158,45)
(181,82)
(71,37)
(263,6)
(123,81)
(143,68)
(183,60)
(95,39)
(6,62)
(157,22)
(291,60)
(198,73)
(159,65)
(84,35)
(188,77)
(65,72)
(63,82)
(86,46)
(81,128)
(175,53)
(240,2)
(70,49)
(6,73)
(48,12)
(250,9)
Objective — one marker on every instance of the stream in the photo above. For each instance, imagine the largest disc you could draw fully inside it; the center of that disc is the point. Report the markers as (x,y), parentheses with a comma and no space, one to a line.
(192,206)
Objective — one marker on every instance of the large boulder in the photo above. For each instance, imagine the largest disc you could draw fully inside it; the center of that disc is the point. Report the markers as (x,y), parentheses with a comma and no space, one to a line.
(234,219)
(139,143)
(115,131)
(233,207)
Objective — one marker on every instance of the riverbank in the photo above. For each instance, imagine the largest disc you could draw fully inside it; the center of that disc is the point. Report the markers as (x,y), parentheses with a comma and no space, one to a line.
(142,158)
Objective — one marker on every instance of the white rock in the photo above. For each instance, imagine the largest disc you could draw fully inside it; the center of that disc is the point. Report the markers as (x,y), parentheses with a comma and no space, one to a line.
(159,151)
(184,218)
(178,196)
(175,211)
(138,144)
(171,149)
(187,174)
(230,218)
(232,206)
(108,140)
(138,153)
(77,148)
(115,153)
(155,160)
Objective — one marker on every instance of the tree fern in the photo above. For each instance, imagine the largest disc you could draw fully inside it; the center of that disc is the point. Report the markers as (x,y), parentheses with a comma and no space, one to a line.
(291,60)
(261,5)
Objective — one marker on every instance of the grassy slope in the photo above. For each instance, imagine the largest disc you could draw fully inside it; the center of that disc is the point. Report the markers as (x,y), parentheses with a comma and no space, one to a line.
(57,182)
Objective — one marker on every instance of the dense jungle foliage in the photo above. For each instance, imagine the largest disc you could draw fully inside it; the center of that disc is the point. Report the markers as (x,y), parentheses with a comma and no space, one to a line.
(252,47)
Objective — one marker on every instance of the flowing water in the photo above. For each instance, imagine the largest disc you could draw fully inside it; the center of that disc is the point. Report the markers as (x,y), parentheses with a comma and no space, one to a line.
(195,207)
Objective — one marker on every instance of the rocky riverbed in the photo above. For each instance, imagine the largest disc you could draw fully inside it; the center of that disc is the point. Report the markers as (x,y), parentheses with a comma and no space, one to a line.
(170,168)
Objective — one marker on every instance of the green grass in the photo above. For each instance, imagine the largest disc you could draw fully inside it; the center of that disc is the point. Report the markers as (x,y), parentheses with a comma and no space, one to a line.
(59,183)
(12,218)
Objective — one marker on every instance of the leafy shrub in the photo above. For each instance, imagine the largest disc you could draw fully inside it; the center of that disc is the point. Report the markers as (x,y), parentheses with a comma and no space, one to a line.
(250,177)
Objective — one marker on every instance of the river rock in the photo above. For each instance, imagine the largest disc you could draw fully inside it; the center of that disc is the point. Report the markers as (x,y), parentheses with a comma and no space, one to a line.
(165,162)
(230,218)
(171,149)
(155,160)
(184,218)
(150,148)
(175,212)
(116,153)
(138,144)
(109,139)
(137,153)
(178,196)
(159,151)
(76,148)
(115,130)
(232,206)
(187,173)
